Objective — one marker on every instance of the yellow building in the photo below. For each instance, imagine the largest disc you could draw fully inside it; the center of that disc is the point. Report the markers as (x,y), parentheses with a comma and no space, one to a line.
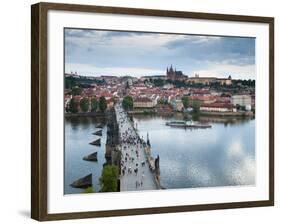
(209,80)
(144,102)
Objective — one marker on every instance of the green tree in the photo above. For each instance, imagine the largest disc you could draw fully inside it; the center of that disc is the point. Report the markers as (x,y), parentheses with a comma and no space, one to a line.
(159,82)
(94,104)
(109,179)
(102,104)
(89,190)
(185,101)
(73,106)
(196,106)
(84,104)
(76,91)
(69,82)
(196,110)
(128,103)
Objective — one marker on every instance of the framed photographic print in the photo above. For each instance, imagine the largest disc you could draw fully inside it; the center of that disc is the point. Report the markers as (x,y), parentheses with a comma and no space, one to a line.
(139,111)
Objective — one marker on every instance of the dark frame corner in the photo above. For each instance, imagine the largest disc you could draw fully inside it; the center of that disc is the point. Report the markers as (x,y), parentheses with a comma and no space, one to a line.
(39,109)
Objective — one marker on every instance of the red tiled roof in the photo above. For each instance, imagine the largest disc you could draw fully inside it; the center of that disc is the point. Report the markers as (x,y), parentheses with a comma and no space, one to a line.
(202,98)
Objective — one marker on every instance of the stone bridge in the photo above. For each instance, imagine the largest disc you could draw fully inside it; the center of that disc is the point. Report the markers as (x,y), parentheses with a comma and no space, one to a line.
(139,170)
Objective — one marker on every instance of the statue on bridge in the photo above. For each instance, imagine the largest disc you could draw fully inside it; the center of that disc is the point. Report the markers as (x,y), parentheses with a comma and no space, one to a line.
(147,141)
(157,168)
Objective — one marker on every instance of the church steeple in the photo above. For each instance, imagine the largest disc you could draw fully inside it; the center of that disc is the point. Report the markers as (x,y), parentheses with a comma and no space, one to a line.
(171,68)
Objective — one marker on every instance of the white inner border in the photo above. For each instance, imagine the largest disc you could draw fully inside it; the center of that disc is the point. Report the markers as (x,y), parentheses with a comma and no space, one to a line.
(60,203)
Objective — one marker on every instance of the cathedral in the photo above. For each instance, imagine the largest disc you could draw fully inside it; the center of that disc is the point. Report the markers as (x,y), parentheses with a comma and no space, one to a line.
(173,74)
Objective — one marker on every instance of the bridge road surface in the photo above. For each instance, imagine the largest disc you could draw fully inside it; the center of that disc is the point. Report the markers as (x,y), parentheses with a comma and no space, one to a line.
(132,181)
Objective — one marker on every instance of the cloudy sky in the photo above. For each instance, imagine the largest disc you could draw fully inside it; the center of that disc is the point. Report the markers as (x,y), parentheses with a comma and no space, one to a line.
(95,52)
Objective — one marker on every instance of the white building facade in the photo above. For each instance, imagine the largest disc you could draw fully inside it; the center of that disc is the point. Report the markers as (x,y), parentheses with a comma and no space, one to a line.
(242,100)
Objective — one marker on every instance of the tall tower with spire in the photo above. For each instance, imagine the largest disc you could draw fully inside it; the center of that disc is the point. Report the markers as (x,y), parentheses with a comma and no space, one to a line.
(173,74)
(170,72)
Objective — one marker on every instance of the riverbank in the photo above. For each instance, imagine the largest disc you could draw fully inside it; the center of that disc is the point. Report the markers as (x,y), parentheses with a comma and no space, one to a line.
(228,114)
(149,112)
(88,114)
(217,114)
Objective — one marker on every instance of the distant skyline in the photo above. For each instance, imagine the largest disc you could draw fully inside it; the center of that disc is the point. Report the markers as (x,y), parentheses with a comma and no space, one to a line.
(96,52)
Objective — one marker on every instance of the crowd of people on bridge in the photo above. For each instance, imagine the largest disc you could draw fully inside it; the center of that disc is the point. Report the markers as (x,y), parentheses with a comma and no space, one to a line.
(132,160)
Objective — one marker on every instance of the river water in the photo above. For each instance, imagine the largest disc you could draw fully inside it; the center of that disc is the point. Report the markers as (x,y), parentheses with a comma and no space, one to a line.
(223,155)
(78,135)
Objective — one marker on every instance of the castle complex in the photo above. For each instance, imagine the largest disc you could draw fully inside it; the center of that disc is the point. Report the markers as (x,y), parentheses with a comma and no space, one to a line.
(173,74)
(209,80)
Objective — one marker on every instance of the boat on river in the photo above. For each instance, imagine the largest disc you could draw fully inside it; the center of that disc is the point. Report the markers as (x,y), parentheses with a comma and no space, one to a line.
(187,124)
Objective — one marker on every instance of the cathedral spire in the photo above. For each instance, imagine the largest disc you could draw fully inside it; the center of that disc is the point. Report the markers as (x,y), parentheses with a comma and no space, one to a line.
(171,69)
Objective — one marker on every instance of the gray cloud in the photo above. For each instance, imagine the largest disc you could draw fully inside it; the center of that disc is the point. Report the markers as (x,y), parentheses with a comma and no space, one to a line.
(189,53)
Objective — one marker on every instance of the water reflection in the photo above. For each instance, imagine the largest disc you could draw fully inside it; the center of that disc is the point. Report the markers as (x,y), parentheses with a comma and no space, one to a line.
(223,155)
(78,134)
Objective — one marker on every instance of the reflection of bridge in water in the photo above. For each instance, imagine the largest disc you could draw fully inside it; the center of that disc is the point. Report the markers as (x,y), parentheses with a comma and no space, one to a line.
(139,170)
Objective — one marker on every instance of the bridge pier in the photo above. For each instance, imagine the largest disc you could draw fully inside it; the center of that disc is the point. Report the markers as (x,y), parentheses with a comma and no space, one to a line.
(112,152)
